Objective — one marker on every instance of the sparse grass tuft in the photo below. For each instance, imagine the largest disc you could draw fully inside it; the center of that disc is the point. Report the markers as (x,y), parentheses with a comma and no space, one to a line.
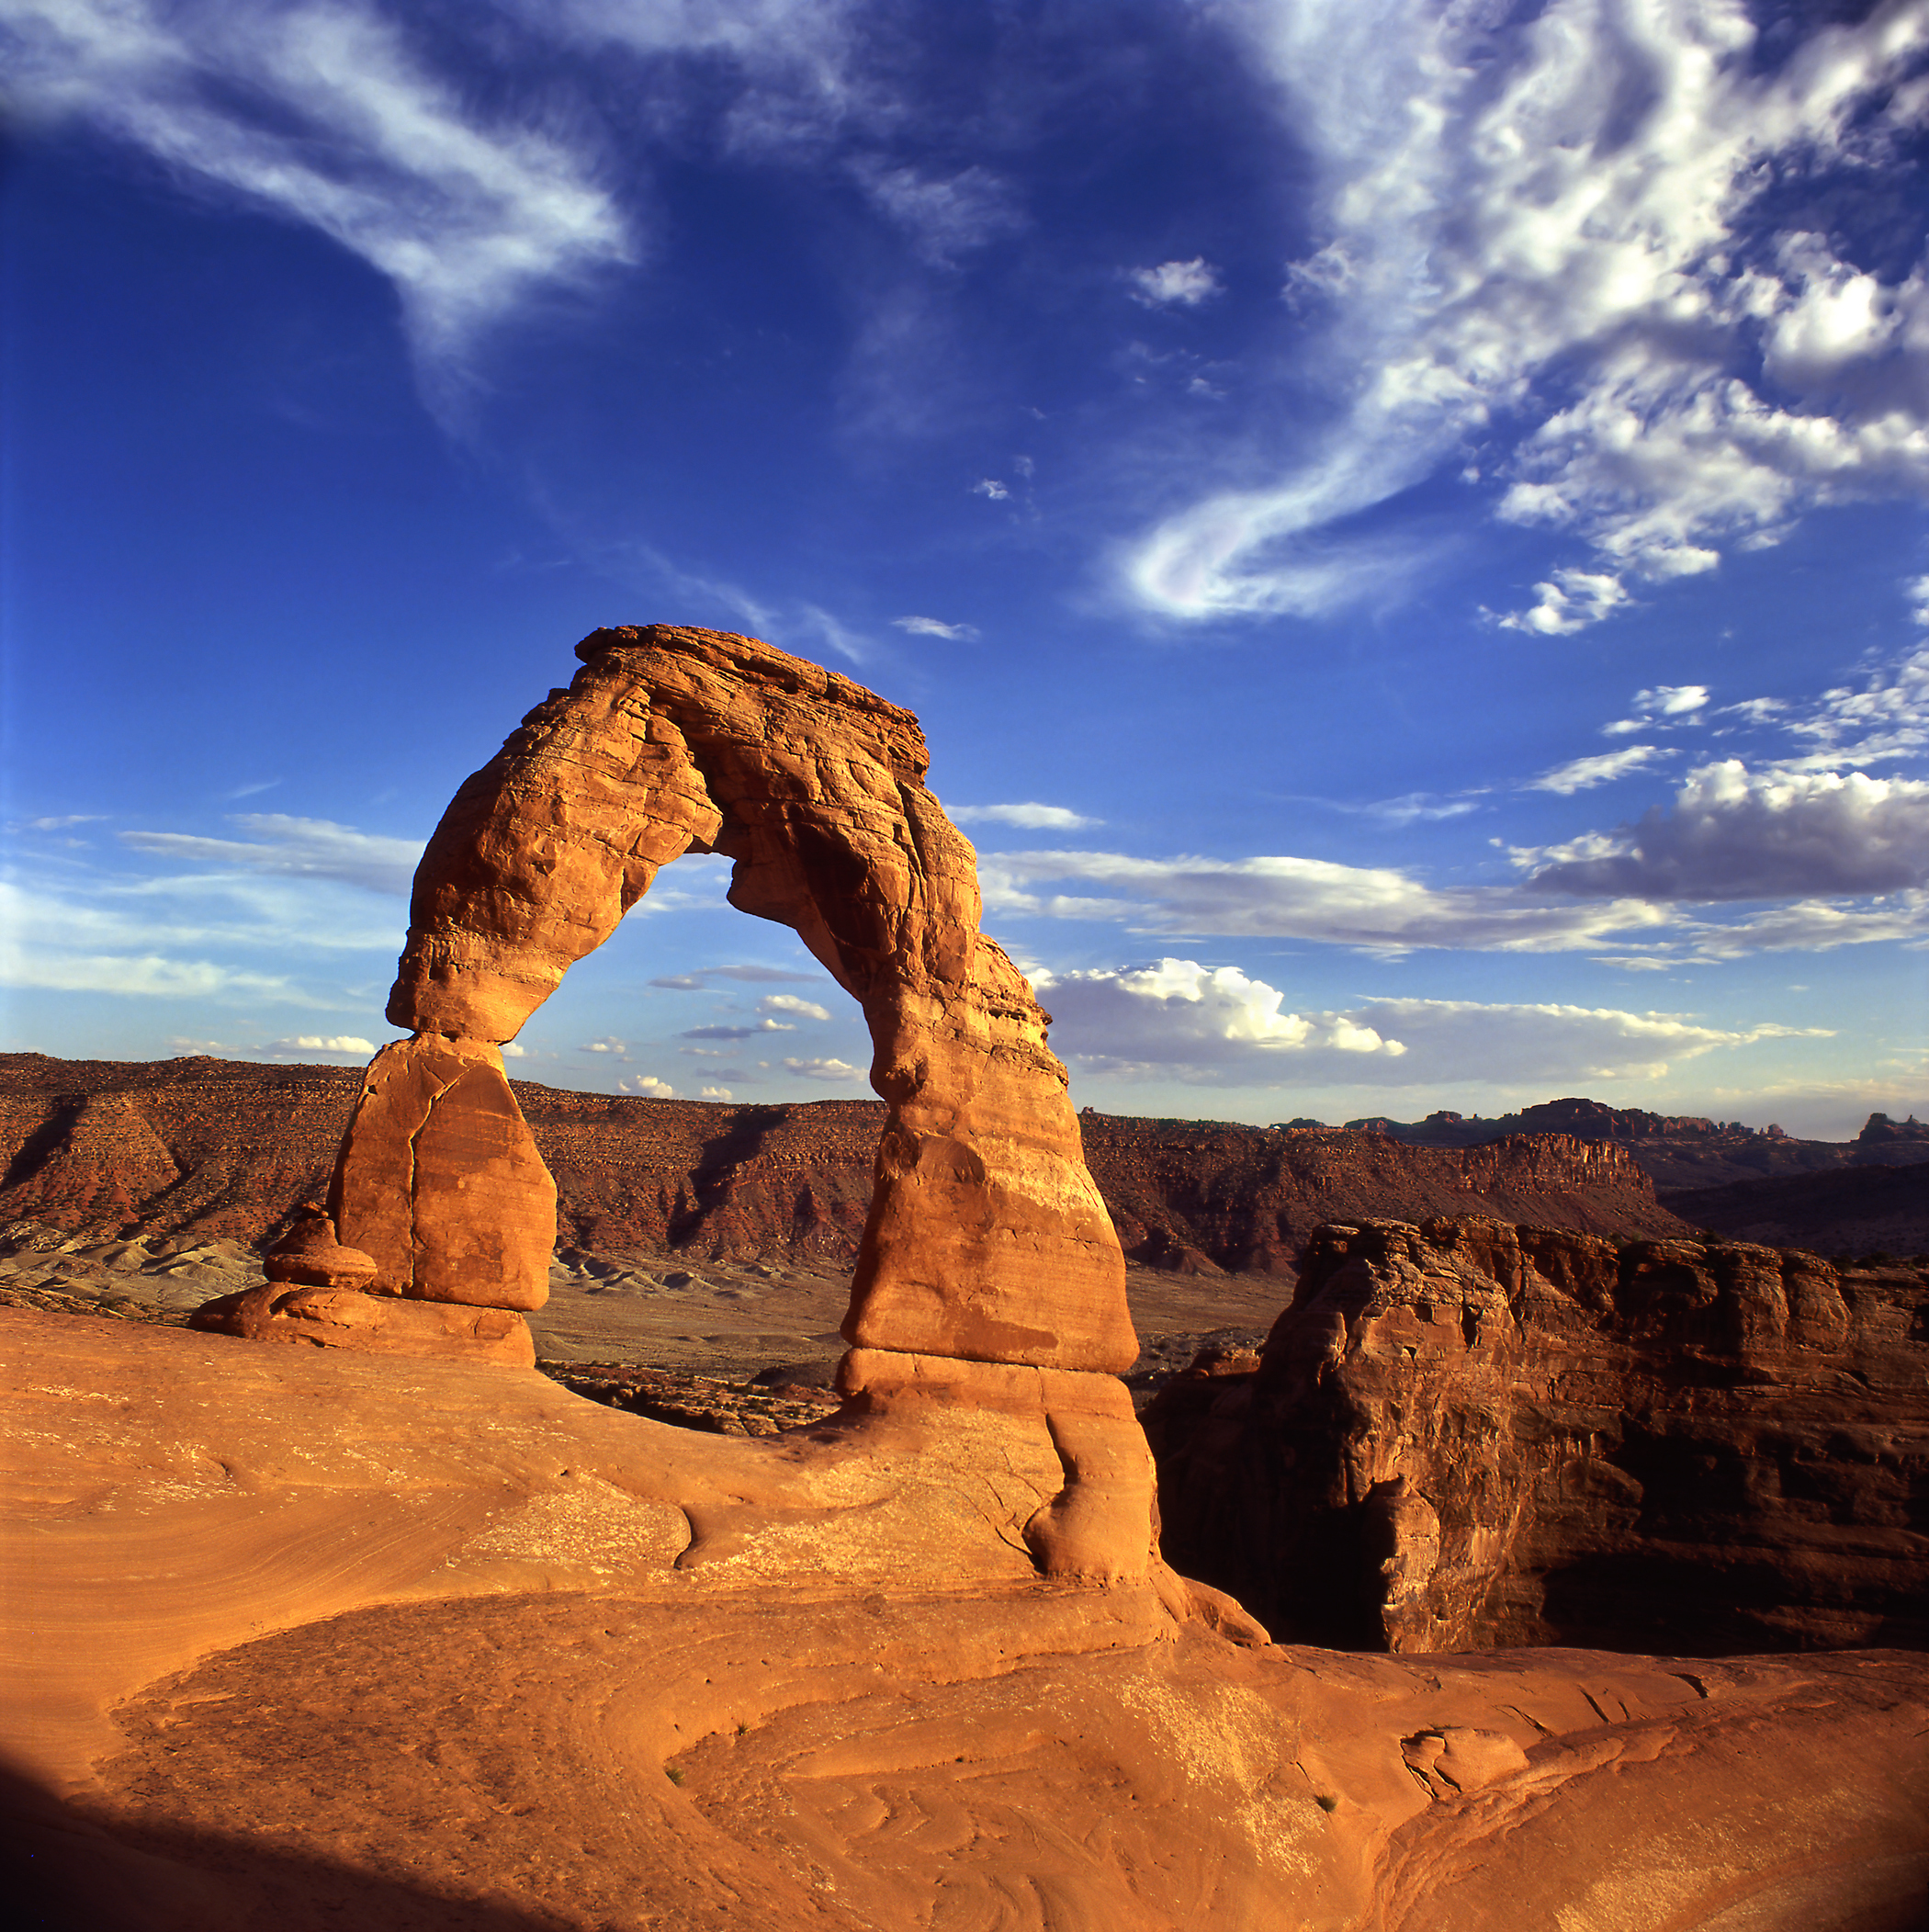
(674,1773)
(1327,1802)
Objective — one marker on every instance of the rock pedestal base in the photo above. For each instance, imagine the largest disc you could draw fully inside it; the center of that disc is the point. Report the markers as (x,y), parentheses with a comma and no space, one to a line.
(371,1323)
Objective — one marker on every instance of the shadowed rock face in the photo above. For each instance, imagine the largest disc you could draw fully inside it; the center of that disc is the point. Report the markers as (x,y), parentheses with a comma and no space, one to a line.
(1468,1434)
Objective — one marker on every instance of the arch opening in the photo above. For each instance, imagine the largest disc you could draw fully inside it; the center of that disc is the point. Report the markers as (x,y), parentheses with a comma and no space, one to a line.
(986,1240)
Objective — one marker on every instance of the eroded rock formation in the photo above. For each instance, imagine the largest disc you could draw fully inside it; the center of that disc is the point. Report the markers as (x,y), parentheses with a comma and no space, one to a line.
(990,1275)
(315,1640)
(1468,1434)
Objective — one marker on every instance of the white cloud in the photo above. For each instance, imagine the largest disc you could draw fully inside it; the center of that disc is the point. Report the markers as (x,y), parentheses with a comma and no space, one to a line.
(945,216)
(1175,285)
(790,1003)
(295,848)
(513,1050)
(319,113)
(1376,909)
(616,1049)
(1668,707)
(1917,590)
(937,627)
(60,823)
(832,1070)
(319,1043)
(1217,1026)
(1583,774)
(991,487)
(1537,1043)
(1031,817)
(1573,601)
(1736,835)
(724,1031)
(1557,221)
(648,1086)
(714,1093)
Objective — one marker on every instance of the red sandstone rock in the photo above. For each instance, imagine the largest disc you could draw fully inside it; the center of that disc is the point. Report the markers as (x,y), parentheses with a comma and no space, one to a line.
(308,1256)
(246,1144)
(439,1179)
(371,1323)
(1468,1434)
(986,1239)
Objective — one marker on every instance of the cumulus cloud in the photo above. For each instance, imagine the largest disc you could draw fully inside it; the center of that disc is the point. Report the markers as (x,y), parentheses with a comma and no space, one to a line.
(1917,590)
(1031,816)
(510,1050)
(1571,601)
(1178,1018)
(937,627)
(1558,218)
(1666,708)
(989,486)
(791,1003)
(1583,774)
(322,114)
(647,1086)
(616,1049)
(321,1042)
(1735,834)
(1177,1013)
(714,1093)
(833,1071)
(1175,285)
(295,848)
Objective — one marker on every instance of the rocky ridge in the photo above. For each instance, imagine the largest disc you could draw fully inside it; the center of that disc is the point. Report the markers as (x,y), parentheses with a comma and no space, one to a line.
(227,1149)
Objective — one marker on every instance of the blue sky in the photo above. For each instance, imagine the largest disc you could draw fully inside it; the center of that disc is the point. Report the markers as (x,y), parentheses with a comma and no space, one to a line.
(1404,523)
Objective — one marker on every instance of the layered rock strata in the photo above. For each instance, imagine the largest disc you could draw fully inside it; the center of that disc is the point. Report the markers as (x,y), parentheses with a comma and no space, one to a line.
(1468,1434)
(245,1143)
(989,1276)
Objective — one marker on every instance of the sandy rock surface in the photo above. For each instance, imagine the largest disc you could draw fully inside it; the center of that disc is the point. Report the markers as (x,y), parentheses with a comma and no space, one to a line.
(305,1639)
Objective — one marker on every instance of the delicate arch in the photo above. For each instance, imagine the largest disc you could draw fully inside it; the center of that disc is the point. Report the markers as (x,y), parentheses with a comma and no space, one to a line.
(987,1240)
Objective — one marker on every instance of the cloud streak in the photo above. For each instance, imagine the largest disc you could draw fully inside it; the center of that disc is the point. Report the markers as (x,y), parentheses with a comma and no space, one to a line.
(1559,222)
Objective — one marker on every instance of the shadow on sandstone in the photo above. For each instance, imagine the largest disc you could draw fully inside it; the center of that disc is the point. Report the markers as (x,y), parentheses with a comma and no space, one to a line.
(1465,1435)
(68,1873)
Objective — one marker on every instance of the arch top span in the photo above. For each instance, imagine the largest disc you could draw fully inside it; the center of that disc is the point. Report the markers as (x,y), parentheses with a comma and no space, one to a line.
(987,1240)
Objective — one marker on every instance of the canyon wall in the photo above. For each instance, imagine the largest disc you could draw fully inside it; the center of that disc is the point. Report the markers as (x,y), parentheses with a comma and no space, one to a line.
(229,1148)
(1466,1435)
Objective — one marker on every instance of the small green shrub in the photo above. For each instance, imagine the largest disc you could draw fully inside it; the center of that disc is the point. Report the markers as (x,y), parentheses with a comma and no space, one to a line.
(674,1773)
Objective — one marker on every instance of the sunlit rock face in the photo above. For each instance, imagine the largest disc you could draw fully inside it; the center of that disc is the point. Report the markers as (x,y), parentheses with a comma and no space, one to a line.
(986,1241)
(987,1237)
(1468,1434)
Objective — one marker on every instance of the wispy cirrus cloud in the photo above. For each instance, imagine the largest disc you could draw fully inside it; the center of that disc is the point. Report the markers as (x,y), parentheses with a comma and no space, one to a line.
(324,114)
(294,848)
(1581,774)
(1030,816)
(1560,220)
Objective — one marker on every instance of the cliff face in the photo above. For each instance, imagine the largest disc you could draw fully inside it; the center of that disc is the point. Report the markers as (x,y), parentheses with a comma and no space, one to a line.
(1194,1195)
(222,1147)
(1467,1435)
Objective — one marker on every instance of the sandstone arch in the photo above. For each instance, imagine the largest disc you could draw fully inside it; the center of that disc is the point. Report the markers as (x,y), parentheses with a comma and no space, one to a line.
(989,1274)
